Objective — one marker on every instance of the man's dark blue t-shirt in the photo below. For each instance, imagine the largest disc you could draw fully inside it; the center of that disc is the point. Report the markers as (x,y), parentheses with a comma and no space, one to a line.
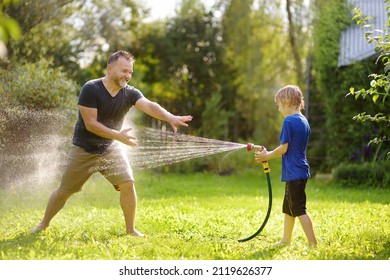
(295,132)
(110,112)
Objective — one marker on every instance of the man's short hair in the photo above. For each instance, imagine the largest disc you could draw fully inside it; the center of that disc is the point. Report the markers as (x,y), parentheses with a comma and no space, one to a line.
(116,55)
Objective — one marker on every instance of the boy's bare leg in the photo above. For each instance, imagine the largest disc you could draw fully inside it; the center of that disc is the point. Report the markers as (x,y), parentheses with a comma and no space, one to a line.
(128,202)
(288,229)
(308,229)
(56,202)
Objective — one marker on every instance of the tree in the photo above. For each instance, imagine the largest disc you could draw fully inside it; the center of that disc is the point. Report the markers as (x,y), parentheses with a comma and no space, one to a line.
(296,13)
(253,40)
(74,34)
(9,27)
(46,33)
(36,113)
(379,90)
(345,141)
(106,26)
(183,60)
(215,116)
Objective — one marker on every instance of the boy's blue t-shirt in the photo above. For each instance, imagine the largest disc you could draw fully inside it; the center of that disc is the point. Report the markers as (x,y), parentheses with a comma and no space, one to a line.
(295,132)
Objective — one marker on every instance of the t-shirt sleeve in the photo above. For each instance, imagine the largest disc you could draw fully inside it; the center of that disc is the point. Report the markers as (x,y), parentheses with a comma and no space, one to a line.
(87,96)
(285,135)
(135,95)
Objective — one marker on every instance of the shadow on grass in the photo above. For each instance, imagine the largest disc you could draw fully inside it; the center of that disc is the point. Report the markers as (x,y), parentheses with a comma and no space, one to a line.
(322,252)
(24,242)
(54,244)
(268,253)
(250,184)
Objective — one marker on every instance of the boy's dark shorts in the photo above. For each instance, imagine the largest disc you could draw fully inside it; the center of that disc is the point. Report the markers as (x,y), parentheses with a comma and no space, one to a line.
(294,203)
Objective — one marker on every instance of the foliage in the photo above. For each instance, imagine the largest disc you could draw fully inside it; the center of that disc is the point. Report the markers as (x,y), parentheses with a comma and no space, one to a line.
(181,62)
(190,54)
(258,67)
(46,34)
(37,106)
(217,118)
(38,86)
(379,91)
(298,19)
(9,27)
(363,174)
(103,27)
(195,216)
(345,140)
(193,56)
(329,19)
(74,34)
(186,63)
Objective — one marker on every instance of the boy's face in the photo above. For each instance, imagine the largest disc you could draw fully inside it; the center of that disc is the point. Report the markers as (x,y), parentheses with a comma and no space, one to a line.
(282,108)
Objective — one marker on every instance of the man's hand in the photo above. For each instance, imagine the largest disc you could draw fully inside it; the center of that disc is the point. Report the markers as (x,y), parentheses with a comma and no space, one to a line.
(125,138)
(154,110)
(176,121)
(89,116)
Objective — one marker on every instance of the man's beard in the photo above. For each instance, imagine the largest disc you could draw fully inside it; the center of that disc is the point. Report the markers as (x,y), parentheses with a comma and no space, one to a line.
(121,82)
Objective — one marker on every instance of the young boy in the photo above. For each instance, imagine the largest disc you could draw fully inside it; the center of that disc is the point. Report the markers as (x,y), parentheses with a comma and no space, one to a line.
(295,167)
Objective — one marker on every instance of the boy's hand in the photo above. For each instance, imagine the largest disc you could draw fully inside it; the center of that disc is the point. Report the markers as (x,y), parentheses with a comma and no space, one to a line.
(261,155)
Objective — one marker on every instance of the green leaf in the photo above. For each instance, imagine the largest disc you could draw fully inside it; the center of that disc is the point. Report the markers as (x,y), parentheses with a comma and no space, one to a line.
(357,94)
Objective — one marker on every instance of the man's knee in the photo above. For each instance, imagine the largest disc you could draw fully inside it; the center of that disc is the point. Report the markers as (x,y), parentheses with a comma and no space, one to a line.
(62,195)
(125,186)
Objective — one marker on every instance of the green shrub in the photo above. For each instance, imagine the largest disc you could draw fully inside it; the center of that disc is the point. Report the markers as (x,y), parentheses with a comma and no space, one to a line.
(37,86)
(37,108)
(331,85)
(363,174)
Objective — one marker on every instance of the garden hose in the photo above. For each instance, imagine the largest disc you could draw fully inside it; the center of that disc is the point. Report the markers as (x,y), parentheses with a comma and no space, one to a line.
(267,170)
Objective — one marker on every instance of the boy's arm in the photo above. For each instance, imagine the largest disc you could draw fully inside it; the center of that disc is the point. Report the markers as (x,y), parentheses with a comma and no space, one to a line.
(265,155)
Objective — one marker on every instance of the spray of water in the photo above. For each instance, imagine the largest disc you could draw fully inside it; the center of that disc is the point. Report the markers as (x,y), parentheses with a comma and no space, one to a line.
(34,145)
(158,148)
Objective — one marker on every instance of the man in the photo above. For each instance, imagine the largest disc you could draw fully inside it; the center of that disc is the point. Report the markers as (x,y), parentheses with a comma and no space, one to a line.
(103,104)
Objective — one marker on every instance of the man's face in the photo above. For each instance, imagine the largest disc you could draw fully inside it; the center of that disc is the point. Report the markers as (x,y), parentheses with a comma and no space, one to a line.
(120,71)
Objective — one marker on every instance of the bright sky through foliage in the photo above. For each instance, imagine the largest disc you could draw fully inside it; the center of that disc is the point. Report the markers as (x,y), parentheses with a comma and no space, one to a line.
(166,8)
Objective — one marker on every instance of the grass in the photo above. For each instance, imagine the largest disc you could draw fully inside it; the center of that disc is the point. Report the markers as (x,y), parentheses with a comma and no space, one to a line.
(198,216)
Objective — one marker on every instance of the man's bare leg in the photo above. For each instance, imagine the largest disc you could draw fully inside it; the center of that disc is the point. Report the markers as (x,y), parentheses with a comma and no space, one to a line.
(128,202)
(56,202)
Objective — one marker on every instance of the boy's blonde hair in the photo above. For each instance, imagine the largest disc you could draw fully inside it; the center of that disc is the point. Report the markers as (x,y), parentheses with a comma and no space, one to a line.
(290,96)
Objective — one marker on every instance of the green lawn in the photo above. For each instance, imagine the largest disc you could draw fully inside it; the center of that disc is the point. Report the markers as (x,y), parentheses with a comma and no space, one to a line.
(197,216)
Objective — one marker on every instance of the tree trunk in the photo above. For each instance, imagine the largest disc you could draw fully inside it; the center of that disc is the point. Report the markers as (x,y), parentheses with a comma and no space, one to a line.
(294,48)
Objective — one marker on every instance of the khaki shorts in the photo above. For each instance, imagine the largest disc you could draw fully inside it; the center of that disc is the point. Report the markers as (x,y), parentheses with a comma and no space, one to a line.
(114,166)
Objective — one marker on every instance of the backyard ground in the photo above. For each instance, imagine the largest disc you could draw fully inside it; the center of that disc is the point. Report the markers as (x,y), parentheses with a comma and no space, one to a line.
(197,216)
